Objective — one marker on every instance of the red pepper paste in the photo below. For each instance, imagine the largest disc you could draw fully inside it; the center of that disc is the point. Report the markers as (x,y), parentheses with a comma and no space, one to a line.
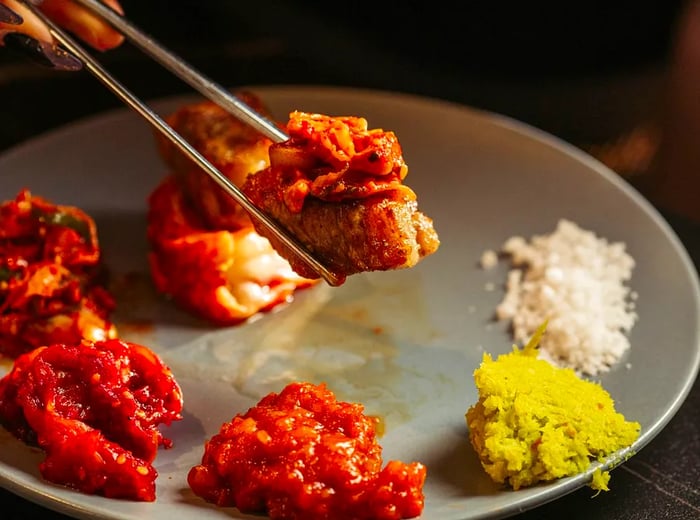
(301,454)
(94,408)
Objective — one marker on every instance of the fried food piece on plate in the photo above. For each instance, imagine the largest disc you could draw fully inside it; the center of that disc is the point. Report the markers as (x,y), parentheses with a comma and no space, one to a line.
(233,147)
(219,275)
(49,276)
(94,408)
(303,454)
(338,187)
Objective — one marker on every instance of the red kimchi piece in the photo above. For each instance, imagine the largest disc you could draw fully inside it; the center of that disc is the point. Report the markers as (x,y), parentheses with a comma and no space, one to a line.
(49,270)
(221,276)
(301,454)
(338,187)
(94,408)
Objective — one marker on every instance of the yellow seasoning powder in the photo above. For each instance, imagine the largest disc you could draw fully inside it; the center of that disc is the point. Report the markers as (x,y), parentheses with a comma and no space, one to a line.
(536,422)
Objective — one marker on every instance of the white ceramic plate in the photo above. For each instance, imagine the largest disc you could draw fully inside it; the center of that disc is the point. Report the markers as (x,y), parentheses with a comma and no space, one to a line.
(404,343)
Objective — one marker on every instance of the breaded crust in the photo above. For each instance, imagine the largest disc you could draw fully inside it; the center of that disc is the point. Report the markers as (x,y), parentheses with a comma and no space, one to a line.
(234,148)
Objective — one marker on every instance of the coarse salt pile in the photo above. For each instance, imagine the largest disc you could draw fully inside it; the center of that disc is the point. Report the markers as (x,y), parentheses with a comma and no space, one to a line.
(577,282)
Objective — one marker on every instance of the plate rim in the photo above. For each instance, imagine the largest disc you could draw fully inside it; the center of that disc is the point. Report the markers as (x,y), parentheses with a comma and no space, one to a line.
(58,503)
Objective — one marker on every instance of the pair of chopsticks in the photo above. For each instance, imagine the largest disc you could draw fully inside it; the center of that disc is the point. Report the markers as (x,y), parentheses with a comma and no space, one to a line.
(205,86)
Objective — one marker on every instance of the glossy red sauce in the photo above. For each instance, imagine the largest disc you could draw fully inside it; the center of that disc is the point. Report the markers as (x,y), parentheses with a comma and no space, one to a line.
(94,408)
(301,454)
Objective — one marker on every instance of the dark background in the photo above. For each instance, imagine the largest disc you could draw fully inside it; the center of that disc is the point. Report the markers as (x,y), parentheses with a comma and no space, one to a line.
(581,71)
(593,73)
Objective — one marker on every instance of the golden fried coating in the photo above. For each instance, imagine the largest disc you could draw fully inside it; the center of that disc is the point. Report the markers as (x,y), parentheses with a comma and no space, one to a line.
(232,147)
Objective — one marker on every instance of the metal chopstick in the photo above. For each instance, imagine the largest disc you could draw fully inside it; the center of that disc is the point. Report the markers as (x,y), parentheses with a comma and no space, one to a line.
(156,121)
(185,71)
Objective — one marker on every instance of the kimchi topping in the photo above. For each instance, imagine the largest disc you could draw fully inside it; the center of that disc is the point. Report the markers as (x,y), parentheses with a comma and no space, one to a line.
(301,454)
(49,269)
(94,408)
(337,158)
(219,275)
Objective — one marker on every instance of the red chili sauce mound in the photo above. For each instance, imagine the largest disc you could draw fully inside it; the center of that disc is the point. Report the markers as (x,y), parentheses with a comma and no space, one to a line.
(94,408)
(335,159)
(49,277)
(301,454)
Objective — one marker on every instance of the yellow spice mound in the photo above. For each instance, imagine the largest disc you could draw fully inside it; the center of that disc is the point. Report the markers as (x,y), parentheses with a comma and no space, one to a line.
(536,422)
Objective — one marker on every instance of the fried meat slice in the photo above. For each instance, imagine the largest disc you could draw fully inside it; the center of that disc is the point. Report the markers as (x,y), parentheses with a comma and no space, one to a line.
(338,187)
(233,147)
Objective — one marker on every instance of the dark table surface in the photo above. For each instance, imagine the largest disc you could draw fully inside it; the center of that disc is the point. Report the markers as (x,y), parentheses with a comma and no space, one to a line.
(589,88)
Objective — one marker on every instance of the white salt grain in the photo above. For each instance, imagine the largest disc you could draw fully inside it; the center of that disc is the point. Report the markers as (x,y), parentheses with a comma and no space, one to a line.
(576,281)
(489,259)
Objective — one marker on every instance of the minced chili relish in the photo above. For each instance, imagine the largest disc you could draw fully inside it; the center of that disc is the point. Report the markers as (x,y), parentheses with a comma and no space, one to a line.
(94,408)
(301,454)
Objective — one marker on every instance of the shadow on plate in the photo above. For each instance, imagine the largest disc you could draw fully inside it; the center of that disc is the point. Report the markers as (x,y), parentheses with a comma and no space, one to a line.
(458,467)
